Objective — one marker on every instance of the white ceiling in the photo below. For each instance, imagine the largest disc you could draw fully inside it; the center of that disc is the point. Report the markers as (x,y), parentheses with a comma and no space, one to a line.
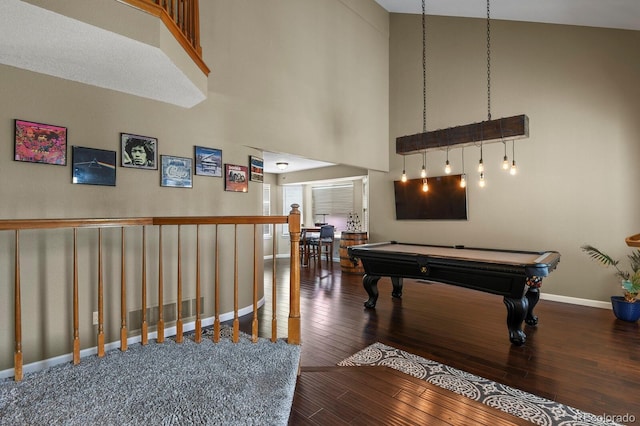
(295,163)
(46,42)
(622,14)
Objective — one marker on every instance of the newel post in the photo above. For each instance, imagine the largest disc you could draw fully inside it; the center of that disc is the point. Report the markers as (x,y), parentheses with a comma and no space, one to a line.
(294,277)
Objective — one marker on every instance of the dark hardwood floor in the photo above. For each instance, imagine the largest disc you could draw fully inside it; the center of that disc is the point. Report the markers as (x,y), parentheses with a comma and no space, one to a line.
(578,356)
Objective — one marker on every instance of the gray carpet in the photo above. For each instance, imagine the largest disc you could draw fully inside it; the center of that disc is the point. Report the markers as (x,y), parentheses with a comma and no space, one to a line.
(537,410)
(161,384)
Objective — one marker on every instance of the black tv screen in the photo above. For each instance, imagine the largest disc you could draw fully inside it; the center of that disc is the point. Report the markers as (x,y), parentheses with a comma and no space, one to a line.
(444,200)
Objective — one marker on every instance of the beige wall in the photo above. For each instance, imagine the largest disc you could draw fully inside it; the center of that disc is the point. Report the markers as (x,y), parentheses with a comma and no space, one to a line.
(298,76)
(578,173)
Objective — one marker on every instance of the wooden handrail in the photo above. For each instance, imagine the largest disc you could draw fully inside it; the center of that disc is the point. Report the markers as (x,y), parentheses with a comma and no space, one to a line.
(182,19)
(293,221)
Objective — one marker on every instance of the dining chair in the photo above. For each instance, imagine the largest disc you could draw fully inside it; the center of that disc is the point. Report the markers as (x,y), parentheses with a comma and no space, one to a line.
(323,244)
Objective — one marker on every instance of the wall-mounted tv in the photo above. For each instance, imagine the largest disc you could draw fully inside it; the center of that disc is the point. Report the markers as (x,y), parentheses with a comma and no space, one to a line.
(444,200)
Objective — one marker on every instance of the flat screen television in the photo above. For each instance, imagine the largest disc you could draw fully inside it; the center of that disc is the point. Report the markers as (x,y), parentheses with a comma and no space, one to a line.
(444,200)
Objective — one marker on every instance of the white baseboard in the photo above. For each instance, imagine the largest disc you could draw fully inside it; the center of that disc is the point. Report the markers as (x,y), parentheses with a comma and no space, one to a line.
(171,331)
(575,301)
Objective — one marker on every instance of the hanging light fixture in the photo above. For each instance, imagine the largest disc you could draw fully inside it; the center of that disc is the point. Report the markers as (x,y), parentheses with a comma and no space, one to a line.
(505,162)
(404,169)
(463,177)
(514,127)
(482,182)
(423,172)
(513,170)
(447,165)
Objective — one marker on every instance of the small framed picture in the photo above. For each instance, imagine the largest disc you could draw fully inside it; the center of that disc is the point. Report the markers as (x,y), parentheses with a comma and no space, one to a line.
(235,178)
(208,161)
(176,171)
(256,169)
(138,152)
(94,166)
(40,143)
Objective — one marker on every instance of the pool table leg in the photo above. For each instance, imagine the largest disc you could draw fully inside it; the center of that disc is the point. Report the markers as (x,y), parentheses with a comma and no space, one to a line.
(370,283)
(533,295)
(397,287)
(516,313)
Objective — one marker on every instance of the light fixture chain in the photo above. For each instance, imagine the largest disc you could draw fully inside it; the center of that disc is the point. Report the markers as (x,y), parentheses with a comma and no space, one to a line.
(424,69)
(488,62)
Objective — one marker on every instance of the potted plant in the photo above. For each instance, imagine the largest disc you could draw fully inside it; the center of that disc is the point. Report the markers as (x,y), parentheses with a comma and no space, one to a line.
(625,307)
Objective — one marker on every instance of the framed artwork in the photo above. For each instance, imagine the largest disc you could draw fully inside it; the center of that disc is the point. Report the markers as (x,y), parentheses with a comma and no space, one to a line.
(94,166)
(235,179)
(256,169)
(40,143)
(208,161)
(138,152)
(176,171)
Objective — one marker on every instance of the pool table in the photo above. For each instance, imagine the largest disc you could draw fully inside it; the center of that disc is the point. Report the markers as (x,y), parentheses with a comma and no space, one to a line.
(515,275)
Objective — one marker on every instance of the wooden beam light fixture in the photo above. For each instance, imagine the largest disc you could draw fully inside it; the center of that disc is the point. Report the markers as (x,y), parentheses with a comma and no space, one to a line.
(516,127)
(475,134)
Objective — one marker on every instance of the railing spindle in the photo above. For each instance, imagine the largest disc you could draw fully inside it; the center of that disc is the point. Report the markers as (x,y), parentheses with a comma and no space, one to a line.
(143,326)
(254,322)
(198,325)
(236,320)
(179,302)
(100,298)
(274,304)
(160,324)
(216,297)
(123,295)
(76,312)
(17,356)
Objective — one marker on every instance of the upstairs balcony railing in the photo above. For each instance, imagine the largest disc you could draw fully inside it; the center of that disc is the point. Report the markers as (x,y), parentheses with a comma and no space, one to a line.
(182,18)
(157,225)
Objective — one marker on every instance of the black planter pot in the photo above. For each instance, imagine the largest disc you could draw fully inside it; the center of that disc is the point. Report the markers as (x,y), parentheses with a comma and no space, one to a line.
(625,311)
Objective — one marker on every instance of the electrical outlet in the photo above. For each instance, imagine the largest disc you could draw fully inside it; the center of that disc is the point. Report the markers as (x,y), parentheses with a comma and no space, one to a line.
(95,318)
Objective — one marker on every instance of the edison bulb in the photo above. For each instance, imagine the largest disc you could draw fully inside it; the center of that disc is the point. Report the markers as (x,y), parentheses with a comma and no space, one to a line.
(482,183)
(513,168)
(505,163)
(480,166)
(463,182)
(425,186)
(447,167)
(404,176)
(423,172)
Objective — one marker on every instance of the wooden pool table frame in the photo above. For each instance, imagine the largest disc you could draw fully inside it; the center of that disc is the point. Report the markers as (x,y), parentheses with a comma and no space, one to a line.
(507,273)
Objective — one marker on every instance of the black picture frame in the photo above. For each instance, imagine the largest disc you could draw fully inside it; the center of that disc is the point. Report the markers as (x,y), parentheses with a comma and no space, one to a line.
(236,178)
(138,152)
(176,172)
(93,166)
(208,161)
(256,169)
(39,143)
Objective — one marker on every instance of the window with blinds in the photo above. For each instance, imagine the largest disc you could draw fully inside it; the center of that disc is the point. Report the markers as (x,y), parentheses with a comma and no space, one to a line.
(332,204)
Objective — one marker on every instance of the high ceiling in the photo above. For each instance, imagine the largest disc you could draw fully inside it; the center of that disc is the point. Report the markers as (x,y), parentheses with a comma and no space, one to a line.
(622,14)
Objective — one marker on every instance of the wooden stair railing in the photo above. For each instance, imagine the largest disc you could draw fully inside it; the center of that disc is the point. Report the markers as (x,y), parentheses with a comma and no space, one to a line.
(182,19)
(292,220)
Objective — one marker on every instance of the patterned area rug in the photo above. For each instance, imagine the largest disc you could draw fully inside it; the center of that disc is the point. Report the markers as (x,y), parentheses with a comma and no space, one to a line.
(527,406)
